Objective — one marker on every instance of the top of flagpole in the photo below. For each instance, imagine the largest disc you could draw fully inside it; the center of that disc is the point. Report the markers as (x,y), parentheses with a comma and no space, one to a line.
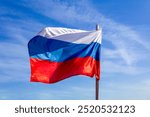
(97,27)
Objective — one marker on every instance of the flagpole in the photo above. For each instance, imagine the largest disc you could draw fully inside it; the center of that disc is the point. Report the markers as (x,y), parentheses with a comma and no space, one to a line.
(97,81)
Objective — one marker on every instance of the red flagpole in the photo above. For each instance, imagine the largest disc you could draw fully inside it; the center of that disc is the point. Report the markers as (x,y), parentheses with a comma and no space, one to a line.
(97,81)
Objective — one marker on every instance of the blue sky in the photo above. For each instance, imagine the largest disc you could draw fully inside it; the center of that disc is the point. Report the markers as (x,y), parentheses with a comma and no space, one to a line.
(125,63)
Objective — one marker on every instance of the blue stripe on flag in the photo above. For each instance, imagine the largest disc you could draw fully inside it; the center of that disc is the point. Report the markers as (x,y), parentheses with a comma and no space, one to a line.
(59,51)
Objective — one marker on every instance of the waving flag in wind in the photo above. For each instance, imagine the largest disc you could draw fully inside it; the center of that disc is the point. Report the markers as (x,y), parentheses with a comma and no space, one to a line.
(59,53)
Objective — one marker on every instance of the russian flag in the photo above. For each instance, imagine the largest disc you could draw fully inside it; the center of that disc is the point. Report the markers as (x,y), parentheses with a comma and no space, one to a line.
(59,53)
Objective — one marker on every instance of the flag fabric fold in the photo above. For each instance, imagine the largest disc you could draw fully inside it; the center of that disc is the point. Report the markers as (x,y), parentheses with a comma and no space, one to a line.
(59,53)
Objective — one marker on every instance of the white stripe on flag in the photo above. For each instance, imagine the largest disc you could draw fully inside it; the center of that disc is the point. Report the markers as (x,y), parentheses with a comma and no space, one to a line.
(72,35)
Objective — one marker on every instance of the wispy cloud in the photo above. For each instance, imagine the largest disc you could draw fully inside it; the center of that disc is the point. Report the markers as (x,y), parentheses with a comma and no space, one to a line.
(15,34)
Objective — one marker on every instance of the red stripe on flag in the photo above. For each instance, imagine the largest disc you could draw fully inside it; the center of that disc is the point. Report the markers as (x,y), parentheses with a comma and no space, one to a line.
(50,72)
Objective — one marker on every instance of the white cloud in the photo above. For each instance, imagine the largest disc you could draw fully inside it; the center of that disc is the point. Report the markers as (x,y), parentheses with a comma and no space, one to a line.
(14,57)
(114,67)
